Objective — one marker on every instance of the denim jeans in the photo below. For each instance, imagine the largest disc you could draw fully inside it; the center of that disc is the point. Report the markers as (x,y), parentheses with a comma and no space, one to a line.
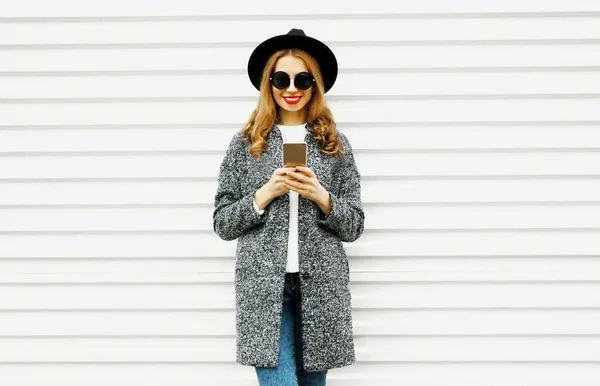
(290,371)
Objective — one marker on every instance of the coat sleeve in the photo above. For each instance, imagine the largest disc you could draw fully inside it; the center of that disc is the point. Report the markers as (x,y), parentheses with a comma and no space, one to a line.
(234,212)
(346,219)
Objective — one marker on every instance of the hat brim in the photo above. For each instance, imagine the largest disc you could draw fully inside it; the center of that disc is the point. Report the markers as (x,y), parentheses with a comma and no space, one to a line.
(322,54)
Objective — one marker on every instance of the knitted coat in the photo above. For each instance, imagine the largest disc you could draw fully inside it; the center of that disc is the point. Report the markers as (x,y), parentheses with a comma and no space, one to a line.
(261,252)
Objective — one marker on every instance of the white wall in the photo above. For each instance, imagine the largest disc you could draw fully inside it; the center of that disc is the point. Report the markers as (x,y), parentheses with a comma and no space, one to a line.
(476,128)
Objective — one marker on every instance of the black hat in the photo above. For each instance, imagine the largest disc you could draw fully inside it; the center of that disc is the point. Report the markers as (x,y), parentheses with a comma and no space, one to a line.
(293,39)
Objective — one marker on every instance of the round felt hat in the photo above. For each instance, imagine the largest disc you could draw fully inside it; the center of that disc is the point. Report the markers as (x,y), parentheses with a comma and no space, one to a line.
(295,38)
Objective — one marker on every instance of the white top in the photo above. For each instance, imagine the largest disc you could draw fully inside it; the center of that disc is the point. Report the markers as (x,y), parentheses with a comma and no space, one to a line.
(291,134)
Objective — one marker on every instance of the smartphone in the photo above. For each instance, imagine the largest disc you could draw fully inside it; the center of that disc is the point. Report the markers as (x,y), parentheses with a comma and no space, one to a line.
(294,154)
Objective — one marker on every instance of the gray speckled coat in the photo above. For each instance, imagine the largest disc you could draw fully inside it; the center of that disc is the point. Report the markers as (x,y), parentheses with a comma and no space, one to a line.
(261,252)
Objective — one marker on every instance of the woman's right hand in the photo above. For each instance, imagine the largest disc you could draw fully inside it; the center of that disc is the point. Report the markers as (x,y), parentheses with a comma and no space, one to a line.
(276,185)
(274,188)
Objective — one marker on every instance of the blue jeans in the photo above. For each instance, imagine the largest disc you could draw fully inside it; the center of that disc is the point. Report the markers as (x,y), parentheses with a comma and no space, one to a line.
(290,371)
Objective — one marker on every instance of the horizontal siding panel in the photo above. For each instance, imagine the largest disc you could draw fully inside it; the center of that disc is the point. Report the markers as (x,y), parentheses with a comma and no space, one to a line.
(358,264)
(372,110)
(348,84)
(476,136)
(405,191)
(368,349)
(369,165)
(72,8)
(363,137)
(464,263)
(391,322)
(483,243)
(358,278)
(179,264)
(370,56)
(328,30)
(359,374)
(388,217)
(476,243)
(365,295)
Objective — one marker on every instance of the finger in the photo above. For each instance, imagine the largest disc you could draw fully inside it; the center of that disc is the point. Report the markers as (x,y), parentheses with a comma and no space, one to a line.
(298,176)
(300,184)
(286,179)
(306,170)
(290,185)
(296,184)
(298,188)
(282,171)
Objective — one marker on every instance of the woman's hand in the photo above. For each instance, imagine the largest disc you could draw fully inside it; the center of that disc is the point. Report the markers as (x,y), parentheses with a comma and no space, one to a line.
(274,188)
(304,181)
(277,183)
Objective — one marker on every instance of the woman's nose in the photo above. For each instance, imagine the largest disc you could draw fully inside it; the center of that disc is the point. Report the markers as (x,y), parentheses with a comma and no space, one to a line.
(292,86)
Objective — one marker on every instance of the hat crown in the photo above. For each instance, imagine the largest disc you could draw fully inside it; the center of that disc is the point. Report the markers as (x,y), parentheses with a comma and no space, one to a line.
(297,32)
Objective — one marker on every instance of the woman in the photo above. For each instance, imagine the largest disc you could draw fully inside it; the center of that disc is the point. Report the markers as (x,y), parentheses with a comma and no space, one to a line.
(293,304)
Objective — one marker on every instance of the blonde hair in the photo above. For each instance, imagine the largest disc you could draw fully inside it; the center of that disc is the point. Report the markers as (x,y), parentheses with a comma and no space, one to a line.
(319,116)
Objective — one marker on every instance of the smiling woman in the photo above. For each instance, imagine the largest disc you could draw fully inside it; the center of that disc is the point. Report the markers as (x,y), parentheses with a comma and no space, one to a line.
(292,323)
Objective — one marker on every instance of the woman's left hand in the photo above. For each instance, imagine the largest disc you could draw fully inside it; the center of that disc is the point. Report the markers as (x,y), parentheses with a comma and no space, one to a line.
(304,181)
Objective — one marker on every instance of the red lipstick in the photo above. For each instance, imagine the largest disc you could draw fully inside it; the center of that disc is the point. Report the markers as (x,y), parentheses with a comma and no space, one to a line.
(292,100)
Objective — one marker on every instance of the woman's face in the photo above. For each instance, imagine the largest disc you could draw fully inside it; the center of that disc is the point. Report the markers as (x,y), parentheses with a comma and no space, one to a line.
(287,98)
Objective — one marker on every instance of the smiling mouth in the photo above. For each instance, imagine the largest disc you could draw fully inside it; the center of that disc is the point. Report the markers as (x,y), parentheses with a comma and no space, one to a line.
(292,100)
